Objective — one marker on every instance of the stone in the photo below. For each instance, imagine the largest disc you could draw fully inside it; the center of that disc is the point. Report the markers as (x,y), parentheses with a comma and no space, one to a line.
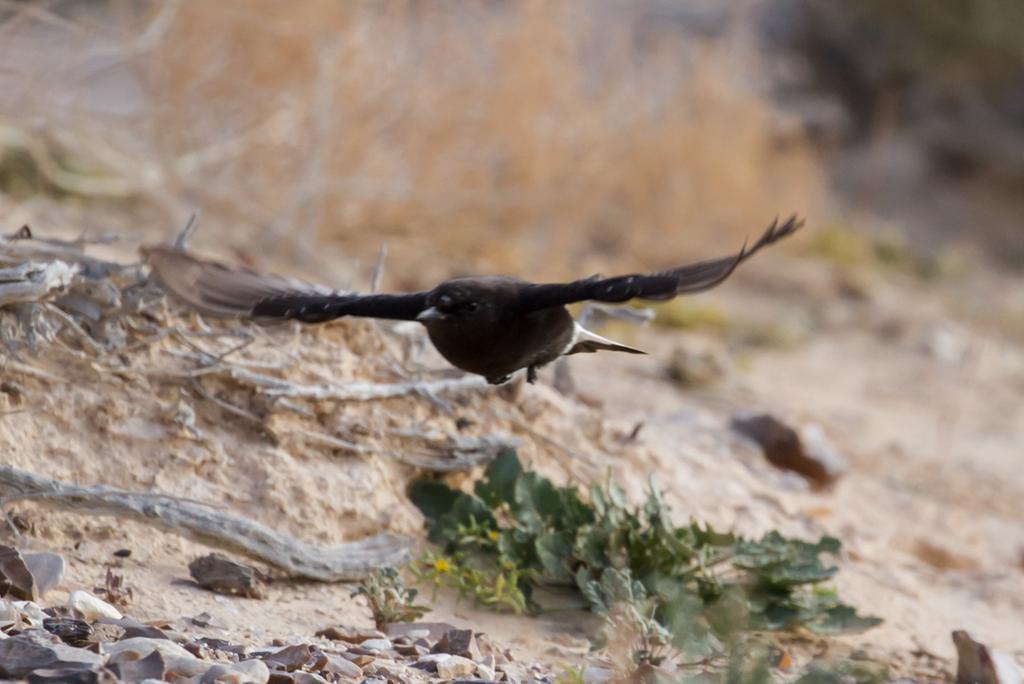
(143,646)
(217,572)
(47,570)
(377,644)
(431,631)
(37,649)
(308,678)
(341,666)
(782,446)
(16,579)
(455,667)
(57,676)
(289,658)
(458,642)
(244,672)
(429,662)
(92,608)
(71,631)
(152,666)
(351,635)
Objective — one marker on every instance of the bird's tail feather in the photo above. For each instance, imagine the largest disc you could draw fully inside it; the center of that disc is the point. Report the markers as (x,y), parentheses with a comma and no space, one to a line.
(586,342)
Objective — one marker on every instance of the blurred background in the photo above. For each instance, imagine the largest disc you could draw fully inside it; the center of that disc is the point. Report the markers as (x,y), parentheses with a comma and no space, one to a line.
(547,139)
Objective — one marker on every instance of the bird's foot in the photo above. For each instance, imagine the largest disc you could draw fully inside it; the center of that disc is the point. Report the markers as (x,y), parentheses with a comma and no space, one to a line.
(498,379)
(531,374)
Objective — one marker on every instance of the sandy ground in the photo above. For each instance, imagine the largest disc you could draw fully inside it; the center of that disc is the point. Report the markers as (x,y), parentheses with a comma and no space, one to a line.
(925,406)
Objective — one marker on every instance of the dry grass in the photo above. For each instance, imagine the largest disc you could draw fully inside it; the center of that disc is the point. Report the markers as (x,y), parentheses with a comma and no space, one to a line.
(513,137)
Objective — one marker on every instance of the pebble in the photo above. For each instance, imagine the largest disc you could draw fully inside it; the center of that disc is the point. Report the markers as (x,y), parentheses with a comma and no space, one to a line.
(454,667)
(92,608)
(376,644)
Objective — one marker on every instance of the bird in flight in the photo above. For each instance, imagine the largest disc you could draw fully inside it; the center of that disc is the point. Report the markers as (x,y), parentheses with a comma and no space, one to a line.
(488,325)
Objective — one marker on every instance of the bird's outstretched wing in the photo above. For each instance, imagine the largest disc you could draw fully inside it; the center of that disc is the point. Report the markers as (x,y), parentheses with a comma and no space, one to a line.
(218,290)
(696,277)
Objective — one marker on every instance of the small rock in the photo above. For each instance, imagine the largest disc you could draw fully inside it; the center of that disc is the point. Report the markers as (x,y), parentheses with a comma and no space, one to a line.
(419,630)
(103,633)
(244,672)
(47,570)
(430,661)
(36,649)
(130,627)
(123,553)
(152,666)
(782,446)
(254,670)
(342,666)
(308,678)
(137,648)
(485,671)
(457,642)
(454,667)
(217,572)
(411,649)
(377,644)
(290,658)
(91,607)
(71,631)
(360,659)
(515,673)
(15,578)
(349,634)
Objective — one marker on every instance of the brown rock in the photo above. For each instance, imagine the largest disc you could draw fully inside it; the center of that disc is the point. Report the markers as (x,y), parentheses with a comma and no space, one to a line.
(341,666)
(290,658)
(816,460)
(458,642)
(351,635)
(15,578)
(219,573)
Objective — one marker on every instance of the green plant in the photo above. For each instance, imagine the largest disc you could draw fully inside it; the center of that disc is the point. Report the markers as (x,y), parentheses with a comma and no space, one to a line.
(496,585)
(699,586)
(390,600)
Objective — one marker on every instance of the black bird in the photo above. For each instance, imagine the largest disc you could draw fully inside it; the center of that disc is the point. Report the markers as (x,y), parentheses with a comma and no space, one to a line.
(488,325)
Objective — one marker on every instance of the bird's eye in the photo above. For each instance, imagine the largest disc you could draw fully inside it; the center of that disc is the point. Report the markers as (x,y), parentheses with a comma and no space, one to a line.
(472,306)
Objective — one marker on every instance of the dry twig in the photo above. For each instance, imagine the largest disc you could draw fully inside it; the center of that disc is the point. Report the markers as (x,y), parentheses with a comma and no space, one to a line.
(344,562)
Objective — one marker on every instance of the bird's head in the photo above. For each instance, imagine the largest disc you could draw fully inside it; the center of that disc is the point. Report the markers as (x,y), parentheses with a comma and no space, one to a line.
(459,302)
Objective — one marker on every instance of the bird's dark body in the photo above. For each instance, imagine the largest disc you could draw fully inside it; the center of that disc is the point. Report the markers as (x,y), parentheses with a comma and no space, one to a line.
(500,339)
(490,325)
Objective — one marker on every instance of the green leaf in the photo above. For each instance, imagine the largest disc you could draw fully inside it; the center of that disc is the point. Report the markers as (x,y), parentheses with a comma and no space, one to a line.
(842,619)
(433,498)
(554,551)
(499,481)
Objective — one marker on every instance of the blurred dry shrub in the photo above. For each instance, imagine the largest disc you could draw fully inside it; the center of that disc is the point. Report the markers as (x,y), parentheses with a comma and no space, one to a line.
(537,137)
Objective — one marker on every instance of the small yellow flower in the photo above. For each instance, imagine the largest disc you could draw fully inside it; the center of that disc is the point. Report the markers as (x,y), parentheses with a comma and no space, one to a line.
(442,565)
(493,535)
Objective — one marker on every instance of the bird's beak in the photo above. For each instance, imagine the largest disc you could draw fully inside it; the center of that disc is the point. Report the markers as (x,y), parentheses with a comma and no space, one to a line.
(430,314)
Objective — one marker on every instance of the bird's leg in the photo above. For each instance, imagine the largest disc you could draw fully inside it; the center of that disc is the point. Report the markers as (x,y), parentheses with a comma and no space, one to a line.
(498,379)
(531,374)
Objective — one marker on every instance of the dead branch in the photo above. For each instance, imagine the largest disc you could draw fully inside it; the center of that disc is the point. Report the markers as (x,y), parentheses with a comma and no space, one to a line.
(356,391)
(344,562)
(33,281)
(455,453)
